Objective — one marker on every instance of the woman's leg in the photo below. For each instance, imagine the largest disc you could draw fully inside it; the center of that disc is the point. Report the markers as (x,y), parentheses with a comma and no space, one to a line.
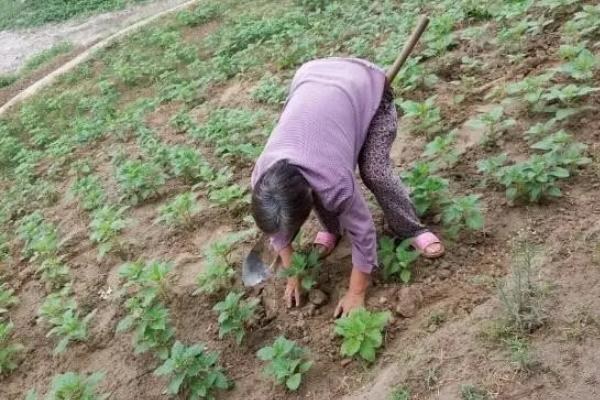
(377,172)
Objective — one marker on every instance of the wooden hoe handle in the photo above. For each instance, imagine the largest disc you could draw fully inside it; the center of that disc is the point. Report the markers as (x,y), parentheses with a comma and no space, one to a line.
(410,45)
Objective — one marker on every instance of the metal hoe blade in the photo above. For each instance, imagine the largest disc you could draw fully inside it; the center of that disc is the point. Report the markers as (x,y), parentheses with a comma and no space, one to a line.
(254,269)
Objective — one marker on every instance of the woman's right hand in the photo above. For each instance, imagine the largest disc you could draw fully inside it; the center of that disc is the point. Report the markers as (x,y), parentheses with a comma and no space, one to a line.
(293,292)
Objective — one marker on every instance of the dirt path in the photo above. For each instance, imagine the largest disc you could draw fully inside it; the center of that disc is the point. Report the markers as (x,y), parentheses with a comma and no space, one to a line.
(18,46)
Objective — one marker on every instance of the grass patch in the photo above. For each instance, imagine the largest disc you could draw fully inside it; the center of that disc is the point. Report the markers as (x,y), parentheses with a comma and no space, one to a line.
(47,55)
(23,14)
(7,80)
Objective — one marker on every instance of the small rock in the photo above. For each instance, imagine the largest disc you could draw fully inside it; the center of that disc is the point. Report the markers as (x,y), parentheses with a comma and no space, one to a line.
(383,300)
(345,362)
(437,218)
(444,274)
(311,310)
(317,297)
(409,301)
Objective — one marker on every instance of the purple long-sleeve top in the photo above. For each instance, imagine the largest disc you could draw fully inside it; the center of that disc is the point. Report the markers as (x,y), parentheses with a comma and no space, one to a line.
(321,131)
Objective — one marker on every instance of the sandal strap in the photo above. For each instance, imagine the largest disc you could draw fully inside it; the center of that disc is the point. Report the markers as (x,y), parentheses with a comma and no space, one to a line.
(425,239)
(327,240)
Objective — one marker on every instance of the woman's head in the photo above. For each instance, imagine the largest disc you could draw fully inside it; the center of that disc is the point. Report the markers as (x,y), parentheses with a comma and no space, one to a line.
(281,199)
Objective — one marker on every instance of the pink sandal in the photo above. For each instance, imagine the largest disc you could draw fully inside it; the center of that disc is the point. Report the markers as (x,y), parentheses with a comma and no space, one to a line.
(327,240)
(423,241)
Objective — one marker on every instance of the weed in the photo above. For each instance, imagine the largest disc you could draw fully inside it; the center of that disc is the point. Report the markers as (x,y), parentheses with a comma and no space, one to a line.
(520,293)
(427,191)
(470,392)
(269,91)
(234,313)
(105,226)
(287,362)
(139,180)
(424,116)
(73,386)
(7,298)
(89,191)
(193,371)
(180,211)
(401,393)
(520,355)
(462,212)
(8,350)
(304,266)
(396,260)
(362,333)
(493,123)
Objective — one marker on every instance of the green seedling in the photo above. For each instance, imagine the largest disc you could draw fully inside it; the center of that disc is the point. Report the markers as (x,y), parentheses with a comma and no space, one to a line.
(4,247)
(150,322)
(414,76)
(200,15)
(362,333)
(8,350)
(439,36)
(180,211)
(460,213)
(304,266)
(269,91)
(40,237)
(186,163)
(582,67)
(531,89)
(427,191)
(7,298)
(59,310)
(442,151)
(539,130)
(105,227)
(287,362)
(424,116)
(139,180)
(234,313)
(152,277)
(229,196)
(396,260)
(217,272)
(193,371)
(89,191)
(73,386)
(532,180)
(54,273)
(490,167)
(493,123)
(584,23)
(563,151)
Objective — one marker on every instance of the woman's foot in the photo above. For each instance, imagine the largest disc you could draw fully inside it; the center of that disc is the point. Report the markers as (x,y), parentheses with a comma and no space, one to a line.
(325,243)
(429,245)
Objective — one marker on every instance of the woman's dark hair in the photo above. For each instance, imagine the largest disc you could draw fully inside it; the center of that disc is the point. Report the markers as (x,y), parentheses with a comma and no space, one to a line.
(281,199)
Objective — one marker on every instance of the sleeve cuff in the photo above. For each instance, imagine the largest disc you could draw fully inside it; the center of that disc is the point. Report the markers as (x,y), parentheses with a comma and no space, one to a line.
(279,241)
(364,264)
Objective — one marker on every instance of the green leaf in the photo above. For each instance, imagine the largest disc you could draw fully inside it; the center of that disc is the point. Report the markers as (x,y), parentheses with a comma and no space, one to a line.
(368,353)
(293,382)
(266,353)
(350,347)
(405,275)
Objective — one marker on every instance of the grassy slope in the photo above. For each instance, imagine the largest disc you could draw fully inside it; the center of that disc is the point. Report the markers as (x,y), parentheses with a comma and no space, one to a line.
(191,82)
(24,14)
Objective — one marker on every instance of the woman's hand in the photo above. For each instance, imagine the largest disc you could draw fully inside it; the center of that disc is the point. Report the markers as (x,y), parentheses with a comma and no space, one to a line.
(355,296)
(293,292)
(349,302)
